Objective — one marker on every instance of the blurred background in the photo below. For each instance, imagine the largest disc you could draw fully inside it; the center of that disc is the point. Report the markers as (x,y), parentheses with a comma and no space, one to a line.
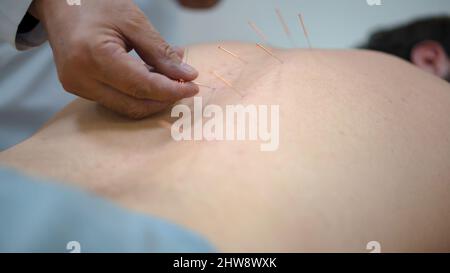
(30,93)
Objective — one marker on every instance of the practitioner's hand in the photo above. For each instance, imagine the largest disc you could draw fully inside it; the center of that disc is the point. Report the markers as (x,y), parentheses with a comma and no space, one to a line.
(91,43)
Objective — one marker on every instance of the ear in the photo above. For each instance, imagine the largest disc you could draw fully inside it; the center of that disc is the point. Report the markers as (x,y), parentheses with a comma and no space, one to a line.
(431,56)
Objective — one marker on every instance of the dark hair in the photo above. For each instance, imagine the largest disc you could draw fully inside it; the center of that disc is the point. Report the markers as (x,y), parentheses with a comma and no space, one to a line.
(400,41)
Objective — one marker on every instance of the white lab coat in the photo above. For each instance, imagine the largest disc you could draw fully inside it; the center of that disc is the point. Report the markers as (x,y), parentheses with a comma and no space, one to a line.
(30,92)
(11,14)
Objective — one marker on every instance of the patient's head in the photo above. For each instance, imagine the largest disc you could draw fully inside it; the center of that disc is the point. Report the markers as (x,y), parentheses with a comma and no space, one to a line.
(425,42)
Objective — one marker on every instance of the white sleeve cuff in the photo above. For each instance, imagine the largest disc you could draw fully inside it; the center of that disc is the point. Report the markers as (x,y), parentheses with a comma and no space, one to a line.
(12,13)
(33,38)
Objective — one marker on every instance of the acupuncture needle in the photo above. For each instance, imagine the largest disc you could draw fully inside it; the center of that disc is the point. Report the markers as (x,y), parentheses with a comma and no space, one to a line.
(285,26)
(258,32)
(305,31)
(186,58)
(269,52)
(226,83)
(203,85)
(232,54)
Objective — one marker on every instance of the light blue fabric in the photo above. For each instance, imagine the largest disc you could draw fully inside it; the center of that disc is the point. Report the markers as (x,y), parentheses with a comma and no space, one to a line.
(38,216)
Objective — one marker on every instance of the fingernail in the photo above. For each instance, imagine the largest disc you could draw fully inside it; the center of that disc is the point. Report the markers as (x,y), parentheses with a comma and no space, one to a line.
(188,69)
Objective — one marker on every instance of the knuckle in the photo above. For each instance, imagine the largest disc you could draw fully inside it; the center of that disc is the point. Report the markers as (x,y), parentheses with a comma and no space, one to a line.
(100,53)
(137,112)
(135,18)
(103,48)
(169,51)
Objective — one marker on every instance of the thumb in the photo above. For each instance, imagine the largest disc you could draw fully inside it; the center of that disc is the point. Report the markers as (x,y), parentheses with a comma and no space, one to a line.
(155,51)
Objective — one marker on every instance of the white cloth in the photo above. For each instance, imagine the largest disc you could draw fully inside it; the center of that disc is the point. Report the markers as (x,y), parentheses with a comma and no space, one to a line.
(11,14)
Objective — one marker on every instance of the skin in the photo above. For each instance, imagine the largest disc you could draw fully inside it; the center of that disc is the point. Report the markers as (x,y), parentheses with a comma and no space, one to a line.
(90,46)
(364,156)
